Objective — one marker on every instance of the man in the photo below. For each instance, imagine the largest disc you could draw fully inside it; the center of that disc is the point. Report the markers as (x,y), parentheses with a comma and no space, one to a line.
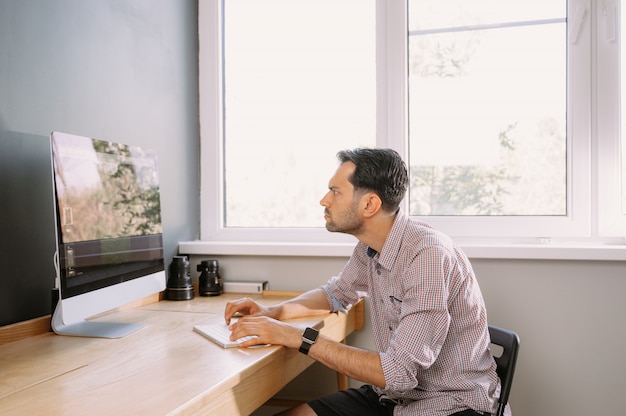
(428,315)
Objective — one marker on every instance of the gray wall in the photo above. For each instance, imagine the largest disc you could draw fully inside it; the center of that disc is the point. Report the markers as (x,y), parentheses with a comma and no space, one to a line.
(124,70)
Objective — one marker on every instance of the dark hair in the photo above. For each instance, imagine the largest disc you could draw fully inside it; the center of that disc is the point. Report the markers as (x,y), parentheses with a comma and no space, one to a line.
(381,171)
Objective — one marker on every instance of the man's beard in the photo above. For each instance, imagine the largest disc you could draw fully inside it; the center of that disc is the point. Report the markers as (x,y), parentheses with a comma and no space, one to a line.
(348,223)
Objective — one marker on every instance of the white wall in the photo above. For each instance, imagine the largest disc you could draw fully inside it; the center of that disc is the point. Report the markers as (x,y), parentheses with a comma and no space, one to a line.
(569,315)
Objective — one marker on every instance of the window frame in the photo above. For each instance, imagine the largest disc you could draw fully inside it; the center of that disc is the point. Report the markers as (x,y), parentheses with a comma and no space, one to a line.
(611,219)
(536,237)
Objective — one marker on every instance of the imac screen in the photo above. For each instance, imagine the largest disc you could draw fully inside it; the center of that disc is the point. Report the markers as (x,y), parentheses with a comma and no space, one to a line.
(108,213)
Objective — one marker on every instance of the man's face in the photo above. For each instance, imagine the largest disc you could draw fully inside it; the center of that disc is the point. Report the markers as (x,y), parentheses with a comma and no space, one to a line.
(341,203)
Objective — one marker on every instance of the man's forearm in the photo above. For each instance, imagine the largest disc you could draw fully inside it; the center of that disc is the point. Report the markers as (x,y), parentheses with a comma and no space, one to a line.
(354,362)
(309,303)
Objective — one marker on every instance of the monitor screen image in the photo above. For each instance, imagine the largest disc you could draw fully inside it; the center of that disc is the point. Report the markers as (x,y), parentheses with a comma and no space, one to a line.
(109,231)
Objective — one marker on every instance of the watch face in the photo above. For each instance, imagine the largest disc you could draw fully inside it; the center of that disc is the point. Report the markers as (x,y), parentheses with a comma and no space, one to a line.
(310,333)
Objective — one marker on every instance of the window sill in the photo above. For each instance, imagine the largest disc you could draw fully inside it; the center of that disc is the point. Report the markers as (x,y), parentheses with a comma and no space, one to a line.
(536,251)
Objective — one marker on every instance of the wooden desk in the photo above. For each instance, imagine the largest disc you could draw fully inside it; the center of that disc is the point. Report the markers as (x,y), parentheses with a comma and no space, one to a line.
(164,369)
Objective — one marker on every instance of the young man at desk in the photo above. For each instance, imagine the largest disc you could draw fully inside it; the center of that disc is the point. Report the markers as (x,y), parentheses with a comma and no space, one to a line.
(428,315)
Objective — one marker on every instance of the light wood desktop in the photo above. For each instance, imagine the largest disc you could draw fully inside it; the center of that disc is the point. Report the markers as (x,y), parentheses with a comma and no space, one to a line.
(164,369)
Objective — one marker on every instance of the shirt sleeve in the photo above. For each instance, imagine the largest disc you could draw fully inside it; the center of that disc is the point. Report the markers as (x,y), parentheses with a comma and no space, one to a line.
(350,286)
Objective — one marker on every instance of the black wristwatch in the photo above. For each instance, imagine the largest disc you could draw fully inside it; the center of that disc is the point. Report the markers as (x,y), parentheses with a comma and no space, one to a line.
(308,338)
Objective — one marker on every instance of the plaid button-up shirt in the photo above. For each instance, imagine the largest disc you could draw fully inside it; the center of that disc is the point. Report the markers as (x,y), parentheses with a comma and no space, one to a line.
(428,318)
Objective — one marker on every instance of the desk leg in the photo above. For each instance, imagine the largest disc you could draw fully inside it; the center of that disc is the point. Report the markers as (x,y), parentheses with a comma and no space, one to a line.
(342,381)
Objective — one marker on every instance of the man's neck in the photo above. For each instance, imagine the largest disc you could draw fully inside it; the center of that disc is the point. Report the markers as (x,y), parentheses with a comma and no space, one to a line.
(376,230)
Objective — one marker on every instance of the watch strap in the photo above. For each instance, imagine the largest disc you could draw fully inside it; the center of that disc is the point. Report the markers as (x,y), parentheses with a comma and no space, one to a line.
(309,337)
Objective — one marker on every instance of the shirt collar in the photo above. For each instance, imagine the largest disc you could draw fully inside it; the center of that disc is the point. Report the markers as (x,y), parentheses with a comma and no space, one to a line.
(391,248)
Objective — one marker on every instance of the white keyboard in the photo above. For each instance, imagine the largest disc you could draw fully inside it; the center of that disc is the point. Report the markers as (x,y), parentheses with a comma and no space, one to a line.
(220,334)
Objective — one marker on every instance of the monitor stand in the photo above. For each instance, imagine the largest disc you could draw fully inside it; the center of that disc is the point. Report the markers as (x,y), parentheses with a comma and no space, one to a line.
(91,328)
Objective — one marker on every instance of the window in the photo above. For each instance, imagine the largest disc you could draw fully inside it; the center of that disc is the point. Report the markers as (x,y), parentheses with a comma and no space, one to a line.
(487,106)
(491,137)
(503,110)
(297,85)
(287,86)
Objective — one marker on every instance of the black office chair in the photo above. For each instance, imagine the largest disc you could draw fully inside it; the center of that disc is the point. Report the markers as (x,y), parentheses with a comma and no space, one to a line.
(509,341)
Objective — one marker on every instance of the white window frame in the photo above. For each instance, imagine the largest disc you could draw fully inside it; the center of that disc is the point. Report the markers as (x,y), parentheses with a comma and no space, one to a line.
(611,220)
(576,235)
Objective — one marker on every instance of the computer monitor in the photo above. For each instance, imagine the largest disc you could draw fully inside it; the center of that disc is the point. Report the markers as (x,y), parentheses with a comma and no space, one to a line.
(108,232)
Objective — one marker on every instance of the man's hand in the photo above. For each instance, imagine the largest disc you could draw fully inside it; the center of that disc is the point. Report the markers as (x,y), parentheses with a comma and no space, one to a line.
(267,331)
(246,306)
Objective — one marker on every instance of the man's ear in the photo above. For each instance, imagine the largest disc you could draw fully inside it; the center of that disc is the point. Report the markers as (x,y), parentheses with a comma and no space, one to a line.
(373,204)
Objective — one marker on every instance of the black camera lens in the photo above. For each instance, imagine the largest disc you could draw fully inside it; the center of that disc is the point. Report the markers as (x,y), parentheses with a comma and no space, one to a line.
(210,283)
(179,286)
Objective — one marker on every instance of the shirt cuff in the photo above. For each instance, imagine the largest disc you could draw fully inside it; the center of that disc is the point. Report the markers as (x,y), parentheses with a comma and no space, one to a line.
(335,305)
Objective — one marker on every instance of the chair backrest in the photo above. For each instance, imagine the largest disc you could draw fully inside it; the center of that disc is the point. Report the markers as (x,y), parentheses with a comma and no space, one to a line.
(509,341)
